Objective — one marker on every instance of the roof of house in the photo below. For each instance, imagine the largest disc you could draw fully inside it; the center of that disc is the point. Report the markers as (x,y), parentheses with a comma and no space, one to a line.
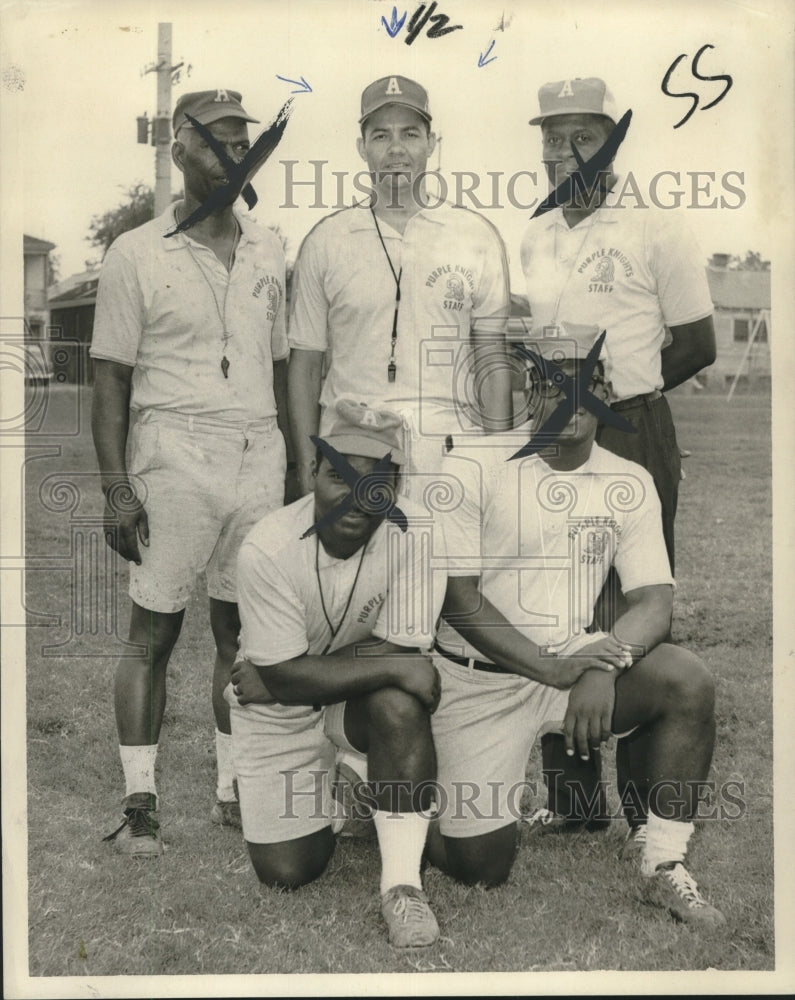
(31,244)
(76,290)
(738,289)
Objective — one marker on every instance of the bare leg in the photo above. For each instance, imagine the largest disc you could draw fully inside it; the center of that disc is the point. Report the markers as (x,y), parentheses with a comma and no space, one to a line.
(225,623)
(292,863)
(140,683)
(670,694)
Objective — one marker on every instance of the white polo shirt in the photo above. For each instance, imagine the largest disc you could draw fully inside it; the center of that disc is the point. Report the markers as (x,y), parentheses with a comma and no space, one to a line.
(397,595)
(629,270)
(542,541)
(454,279)
(161,306)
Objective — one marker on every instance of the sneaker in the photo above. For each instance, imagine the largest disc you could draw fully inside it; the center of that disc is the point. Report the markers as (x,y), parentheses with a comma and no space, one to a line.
(139,834)
(544,821)
(408,917)
(634,842)
(227,814)
(673,887)
(349,819)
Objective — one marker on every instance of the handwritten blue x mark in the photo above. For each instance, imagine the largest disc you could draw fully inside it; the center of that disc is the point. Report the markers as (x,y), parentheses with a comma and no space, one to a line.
(366,491)
(575,394)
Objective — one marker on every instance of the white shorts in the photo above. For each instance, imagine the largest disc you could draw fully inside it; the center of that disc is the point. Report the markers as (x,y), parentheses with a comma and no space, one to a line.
(483,730)
(204,486)
(284,757)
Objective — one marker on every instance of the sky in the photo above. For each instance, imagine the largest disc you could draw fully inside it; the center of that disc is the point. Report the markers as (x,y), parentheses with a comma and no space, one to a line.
(74,82)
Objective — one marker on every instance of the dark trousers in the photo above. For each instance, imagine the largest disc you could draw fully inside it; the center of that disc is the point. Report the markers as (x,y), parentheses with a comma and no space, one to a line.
(570,781)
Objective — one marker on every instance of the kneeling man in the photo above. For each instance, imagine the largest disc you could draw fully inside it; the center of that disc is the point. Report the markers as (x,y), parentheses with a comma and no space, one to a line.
(338,601)
(529,547)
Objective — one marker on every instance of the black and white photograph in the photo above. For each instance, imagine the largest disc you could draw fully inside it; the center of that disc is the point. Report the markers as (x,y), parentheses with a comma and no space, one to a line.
(395,497)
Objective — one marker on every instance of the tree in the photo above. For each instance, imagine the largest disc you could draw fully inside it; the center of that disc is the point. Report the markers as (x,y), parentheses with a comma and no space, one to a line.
(53,268)
(139,207)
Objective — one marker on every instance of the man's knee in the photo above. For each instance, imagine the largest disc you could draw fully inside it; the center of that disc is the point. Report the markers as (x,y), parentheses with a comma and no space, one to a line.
(292,863)
(679,683)
(687,683)
(392,713)
(156,630)
(485,860)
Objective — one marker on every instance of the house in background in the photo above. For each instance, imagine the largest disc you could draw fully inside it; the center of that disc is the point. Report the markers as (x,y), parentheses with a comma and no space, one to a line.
(742,321)
(741,298)
(37,317)
(72,303)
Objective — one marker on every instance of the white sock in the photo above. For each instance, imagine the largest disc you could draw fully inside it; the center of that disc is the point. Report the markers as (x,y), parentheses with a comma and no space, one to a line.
(138,764)
(666,841)
(224,789)
(401,840)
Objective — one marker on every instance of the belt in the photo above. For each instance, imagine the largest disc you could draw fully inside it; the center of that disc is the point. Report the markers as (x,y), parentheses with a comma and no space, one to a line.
(470,663)
(644,399)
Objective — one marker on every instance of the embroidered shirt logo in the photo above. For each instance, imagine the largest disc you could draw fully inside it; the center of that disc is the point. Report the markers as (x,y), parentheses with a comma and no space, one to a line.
(595,547)
(454,295)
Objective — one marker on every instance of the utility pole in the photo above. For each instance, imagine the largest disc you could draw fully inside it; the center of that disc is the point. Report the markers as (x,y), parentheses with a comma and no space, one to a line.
(162,122)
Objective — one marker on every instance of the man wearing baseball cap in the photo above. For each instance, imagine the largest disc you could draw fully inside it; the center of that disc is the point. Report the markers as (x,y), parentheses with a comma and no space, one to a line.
(536,529)
(189,341)
(318,580)
(403,297)
(631,270)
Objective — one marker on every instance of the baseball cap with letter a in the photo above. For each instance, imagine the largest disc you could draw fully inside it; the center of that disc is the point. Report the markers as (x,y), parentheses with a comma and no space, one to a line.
(208,106)
(359,429)
(395,90)
(587,96)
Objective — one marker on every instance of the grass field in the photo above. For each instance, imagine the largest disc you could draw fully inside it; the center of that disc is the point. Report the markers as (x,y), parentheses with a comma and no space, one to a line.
(569,904)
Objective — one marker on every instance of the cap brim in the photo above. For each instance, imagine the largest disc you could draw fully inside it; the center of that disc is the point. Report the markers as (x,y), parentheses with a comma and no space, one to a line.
(210,116)
(365,447)
(539,119)
(405,104)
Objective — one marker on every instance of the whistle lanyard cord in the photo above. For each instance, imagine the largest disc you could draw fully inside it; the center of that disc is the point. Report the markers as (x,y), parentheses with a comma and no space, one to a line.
(335,631)
(397,276)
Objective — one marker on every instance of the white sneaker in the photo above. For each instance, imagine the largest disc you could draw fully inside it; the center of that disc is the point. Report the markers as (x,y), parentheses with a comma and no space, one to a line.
(634,842)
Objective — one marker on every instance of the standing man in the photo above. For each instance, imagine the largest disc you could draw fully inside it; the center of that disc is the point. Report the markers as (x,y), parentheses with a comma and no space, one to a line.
(189,338)
(629,270)
(632,271)
(405,300)
(530,544)
(318,580)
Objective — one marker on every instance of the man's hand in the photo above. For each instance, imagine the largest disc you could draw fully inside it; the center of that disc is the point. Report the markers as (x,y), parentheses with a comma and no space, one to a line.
(248,686)
(420,677)
(125,522)
(605,653)
(589,715)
